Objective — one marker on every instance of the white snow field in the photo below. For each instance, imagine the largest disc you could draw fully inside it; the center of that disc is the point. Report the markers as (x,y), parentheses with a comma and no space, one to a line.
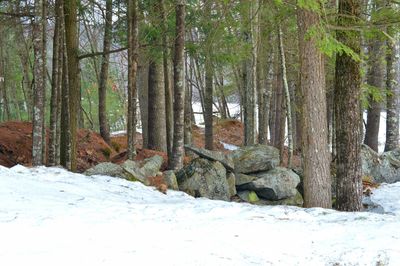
(49,216)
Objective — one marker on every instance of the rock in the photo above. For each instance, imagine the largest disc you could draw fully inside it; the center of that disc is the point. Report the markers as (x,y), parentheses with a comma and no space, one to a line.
(276,184)
(384,168)
(370,206)
(109,169)
(296,200)
(204,178)
(248,196)
(242,179)
(255,158)
(134,171)
(214,156)
(151,166)
(230,177)
(170,179)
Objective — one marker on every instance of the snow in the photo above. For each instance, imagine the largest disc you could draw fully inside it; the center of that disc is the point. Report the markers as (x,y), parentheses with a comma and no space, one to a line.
(229,147)
(49,216)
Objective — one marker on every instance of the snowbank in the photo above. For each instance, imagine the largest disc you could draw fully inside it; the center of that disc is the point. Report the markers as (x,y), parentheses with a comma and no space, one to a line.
(49,216)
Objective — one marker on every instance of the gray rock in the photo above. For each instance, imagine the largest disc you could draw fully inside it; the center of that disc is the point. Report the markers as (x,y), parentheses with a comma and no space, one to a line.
(242,179)
(134,171)
(203,178)
(255,158)
(296,200)
(248,196)
(151,166)
(230,177)
(170,179)
(383,168)
(276,184)
(214,156)
(109,169)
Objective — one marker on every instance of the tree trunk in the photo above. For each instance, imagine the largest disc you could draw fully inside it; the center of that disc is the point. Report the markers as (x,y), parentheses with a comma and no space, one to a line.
(133,46)
(71,41)
(316,157)
(393,85)
(103,121)
(208,104)
(156,107)
(348,113)
(169,112)
(39,46)
(188,109)
(54,86)
(142,86)
(176,162)
(375,77)
(287,98)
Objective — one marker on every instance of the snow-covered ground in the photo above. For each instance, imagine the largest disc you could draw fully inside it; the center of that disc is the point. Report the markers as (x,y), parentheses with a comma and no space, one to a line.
(49,216)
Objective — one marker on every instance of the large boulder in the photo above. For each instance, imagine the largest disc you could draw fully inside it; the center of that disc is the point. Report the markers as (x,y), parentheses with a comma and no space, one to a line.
(230,177)
(257,158)
(383,168)
(204,178)
(248,196)
(218,156)
(242,179)
(276,184)
(170,179)
(114,170)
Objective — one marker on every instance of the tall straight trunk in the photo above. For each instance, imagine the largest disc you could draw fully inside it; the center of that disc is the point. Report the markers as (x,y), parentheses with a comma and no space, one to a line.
(133,46)
(376,78)
(208,104)
(176,162)
(3,84)
(54,86)
(188,108)
(393,99)
(65,137)
(71,41)
(287,98)
(142,87)
(348,112)
(156,107)
(39,46)
(105,60)
(169,112)
(316,157)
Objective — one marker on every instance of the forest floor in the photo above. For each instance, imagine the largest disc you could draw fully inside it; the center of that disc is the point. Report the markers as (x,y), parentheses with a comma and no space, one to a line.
(16,144)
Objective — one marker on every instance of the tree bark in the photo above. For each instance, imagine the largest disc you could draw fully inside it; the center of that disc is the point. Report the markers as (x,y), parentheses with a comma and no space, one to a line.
(103,121)
(393,98)
(176,161)
(316,157)
(71,41)
(348,113)
(156,107)
(133,46)
(54,86)
(375,77)
(288,107)
(39,46)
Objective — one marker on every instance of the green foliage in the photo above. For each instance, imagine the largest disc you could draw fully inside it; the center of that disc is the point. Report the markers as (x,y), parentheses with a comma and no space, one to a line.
(369,92)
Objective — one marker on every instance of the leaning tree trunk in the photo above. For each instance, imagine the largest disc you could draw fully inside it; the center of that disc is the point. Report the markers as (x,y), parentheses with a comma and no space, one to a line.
(103,123)
(316,157)
(393,85)
(55,86)
(133,46)
(71,41)
(287,98)
(156,106)
(39,47)
(176,162)
(348,112)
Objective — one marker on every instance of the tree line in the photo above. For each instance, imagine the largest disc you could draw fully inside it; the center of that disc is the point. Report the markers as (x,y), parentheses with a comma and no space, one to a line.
(304,72)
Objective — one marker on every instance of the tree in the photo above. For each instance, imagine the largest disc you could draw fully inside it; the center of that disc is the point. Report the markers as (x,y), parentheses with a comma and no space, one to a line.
(209,86)
(105,60)
(348,112)
(393,98)
(71,44)
(132,73)
(55,85)
(39,47)
(176,162)
(315,153)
